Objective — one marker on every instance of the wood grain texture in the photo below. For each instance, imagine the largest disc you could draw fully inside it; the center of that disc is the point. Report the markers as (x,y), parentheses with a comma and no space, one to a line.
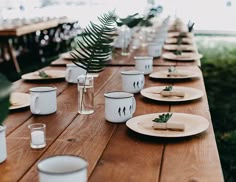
(195,158)
(56,123)
(118,60)
(124,157)
(20,158)
(88,135)
(19,116)
(114,152)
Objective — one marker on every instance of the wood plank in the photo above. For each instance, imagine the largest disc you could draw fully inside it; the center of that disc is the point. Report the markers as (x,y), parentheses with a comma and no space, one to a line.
(124,158)
(20,158)
(194,158)
(18,117)
(118,60)
(56,124)
(87,136)
(21,86)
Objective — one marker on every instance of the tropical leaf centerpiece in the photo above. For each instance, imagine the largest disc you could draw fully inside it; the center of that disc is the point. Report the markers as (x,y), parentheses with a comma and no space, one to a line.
(94,50)
(95,46)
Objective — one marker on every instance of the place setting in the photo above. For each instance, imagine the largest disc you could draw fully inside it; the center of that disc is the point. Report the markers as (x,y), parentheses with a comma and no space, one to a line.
(19,100)
(44,75)
(172,73)
(181,56)
(168,125)
(171,93)
(182,47)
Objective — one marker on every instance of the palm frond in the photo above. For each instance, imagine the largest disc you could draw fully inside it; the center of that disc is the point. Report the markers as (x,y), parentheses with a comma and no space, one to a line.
(95,46)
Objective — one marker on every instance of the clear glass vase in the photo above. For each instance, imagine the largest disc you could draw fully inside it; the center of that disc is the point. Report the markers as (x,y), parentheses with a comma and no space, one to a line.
(85,94)
(125,40)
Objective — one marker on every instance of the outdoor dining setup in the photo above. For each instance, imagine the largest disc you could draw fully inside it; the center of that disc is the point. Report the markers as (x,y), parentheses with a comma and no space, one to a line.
(128,104)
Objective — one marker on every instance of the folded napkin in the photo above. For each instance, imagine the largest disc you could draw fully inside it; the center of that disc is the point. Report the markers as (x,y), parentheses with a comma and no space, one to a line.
(172,93)
(176,74)
(169,126)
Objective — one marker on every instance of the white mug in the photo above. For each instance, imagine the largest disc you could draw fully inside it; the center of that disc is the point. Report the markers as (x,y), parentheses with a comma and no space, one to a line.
(43,100)
(119,106)
(132,81)
(155,48)
(144,64)
(72,72)
(62,168)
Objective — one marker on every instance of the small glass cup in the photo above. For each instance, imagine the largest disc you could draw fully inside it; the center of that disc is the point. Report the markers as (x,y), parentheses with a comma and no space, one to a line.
(37,135)
(85,94)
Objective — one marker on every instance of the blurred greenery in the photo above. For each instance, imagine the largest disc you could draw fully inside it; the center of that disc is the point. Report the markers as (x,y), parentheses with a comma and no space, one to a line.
(219,70)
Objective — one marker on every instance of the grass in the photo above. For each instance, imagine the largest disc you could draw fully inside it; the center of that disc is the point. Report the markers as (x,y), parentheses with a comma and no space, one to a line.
(219,70)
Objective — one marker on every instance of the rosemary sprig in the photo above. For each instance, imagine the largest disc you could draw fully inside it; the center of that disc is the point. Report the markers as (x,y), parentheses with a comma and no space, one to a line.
(178,52)
(168,88)
(42,74)
(171,69)
(163,118)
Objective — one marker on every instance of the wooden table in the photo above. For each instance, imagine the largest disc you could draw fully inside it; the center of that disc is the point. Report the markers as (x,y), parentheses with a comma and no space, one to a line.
(118,60)
(114,152)
(17,31)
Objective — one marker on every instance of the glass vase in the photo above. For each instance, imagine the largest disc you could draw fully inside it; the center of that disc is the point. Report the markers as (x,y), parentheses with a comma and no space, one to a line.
(85,94)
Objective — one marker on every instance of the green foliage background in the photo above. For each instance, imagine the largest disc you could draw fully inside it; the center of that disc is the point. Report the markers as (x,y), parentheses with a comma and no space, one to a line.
(219,69)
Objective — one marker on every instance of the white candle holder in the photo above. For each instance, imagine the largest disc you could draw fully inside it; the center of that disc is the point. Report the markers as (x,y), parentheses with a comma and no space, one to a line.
(37,135)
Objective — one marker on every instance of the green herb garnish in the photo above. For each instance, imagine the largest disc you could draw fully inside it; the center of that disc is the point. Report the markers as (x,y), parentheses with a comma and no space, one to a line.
(171,69)
(42,74)
(179,40)
(178,52)
(163,118)
(182,34)
(168,88)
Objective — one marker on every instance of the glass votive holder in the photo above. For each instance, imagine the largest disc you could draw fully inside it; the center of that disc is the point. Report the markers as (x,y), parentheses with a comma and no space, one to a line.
(37,135)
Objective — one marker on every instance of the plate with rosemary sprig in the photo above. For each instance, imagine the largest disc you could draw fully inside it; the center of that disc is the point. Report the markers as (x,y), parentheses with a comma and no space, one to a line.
(44,75)
(19,100)
(66,55)
(176,40)
(180,34)
(168,125)
(181,56)
(182,47)
(171,93)
(174,74)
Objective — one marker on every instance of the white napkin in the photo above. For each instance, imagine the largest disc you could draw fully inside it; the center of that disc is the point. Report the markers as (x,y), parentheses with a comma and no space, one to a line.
(172,93)
(169,126)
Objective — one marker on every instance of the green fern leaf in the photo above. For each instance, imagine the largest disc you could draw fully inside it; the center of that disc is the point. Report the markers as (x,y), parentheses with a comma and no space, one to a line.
(95,45)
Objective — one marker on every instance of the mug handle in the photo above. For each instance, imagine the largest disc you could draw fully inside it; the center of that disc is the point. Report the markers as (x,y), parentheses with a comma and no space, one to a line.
(34,104)
(134,105)
(68,75)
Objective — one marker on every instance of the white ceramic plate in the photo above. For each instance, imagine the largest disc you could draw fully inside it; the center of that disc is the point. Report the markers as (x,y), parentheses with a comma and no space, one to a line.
(182,47)
(193,125)
(190,94)
(185,74)
(66,55)
(176,34)
(53,74)
(185,56)
(61,62)
(19,100)
(174,40)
